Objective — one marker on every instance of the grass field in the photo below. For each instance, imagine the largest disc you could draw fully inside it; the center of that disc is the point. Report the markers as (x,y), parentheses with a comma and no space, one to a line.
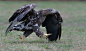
(73,28)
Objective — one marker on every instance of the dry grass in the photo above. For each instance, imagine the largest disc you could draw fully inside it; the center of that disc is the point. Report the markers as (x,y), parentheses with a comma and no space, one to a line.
(73,31)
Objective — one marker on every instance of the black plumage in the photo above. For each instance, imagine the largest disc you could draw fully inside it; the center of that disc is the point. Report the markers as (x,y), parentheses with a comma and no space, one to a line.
(53,26)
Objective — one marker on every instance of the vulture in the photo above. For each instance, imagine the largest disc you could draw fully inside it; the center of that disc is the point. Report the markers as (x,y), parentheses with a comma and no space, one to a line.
(28,20)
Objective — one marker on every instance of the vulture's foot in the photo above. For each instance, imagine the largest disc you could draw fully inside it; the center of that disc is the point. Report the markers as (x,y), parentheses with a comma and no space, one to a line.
(22,38)
(47,35)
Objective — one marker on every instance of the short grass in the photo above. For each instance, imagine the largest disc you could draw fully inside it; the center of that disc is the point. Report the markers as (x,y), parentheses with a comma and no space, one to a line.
(73,28)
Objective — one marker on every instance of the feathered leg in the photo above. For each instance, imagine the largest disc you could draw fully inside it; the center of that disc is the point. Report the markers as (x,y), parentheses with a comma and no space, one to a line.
(38,31)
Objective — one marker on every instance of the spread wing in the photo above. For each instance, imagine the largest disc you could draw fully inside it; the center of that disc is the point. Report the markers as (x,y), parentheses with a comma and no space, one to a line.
(20,15)
(22,12)
(53,24)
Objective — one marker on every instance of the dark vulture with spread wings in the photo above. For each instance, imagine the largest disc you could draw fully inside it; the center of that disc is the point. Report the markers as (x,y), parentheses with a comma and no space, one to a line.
(28,20)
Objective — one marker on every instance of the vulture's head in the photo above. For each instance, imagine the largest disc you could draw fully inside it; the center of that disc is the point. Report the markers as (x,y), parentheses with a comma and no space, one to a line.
(48,11)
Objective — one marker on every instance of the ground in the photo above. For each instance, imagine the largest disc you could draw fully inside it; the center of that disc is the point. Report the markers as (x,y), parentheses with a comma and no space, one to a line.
(73,28)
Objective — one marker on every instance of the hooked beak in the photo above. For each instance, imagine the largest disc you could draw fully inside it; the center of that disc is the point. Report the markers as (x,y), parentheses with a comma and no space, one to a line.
(54,11)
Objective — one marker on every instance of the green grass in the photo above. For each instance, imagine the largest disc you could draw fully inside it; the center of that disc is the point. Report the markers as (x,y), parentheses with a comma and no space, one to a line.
(73,28)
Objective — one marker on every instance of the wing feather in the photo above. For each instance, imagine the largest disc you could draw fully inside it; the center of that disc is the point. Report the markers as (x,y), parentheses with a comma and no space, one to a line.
(19,15)
(15,14)
(53,26)
(21,10)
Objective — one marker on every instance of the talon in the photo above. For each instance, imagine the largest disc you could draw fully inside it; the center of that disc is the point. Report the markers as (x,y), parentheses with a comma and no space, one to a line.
(47,35)
(20,37)
(22,40)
